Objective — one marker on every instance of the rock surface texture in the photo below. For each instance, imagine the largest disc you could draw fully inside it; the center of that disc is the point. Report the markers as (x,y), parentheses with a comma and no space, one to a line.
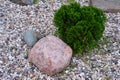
(107,5)
(51,55)
(31,37)
(23,2)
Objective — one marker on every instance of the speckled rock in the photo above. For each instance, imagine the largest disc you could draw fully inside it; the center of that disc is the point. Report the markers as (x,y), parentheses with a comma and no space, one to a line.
(51,55)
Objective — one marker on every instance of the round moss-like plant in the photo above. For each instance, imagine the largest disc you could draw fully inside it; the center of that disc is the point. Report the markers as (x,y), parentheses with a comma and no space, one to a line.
(80,27)
(35,1)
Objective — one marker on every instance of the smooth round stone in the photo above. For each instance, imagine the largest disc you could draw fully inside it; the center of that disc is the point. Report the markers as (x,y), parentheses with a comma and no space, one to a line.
(30,37)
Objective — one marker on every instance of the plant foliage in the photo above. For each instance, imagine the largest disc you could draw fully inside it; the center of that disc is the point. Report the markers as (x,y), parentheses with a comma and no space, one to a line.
(70,1)
(35,1)
(80,27)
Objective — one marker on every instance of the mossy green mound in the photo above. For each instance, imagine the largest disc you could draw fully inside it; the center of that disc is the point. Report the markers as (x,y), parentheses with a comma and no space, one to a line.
(80,27)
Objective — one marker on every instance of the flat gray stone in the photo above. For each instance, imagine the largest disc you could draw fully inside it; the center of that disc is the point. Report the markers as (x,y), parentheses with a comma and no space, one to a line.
(107,5)
(23,2)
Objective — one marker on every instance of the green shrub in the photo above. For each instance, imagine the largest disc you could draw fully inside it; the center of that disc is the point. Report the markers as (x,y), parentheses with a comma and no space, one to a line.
(80,27)
(70,1)
(35,1)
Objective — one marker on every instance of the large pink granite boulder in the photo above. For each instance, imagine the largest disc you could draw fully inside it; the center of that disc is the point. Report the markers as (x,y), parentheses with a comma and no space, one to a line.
(51,55)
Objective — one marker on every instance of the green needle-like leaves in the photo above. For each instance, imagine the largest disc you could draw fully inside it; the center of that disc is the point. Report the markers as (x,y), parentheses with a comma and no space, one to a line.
(80,27)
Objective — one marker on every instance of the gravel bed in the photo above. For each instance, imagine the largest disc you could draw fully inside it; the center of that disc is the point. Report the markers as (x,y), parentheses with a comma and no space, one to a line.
(102,63)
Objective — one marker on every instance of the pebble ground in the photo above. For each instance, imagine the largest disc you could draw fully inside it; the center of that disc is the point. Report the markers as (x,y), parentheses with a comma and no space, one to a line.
(102,63)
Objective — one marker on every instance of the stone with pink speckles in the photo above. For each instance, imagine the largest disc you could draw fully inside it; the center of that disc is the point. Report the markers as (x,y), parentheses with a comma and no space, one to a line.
(51,55)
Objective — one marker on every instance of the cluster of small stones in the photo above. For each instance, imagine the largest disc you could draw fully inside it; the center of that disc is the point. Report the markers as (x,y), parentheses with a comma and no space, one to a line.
(103,63)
